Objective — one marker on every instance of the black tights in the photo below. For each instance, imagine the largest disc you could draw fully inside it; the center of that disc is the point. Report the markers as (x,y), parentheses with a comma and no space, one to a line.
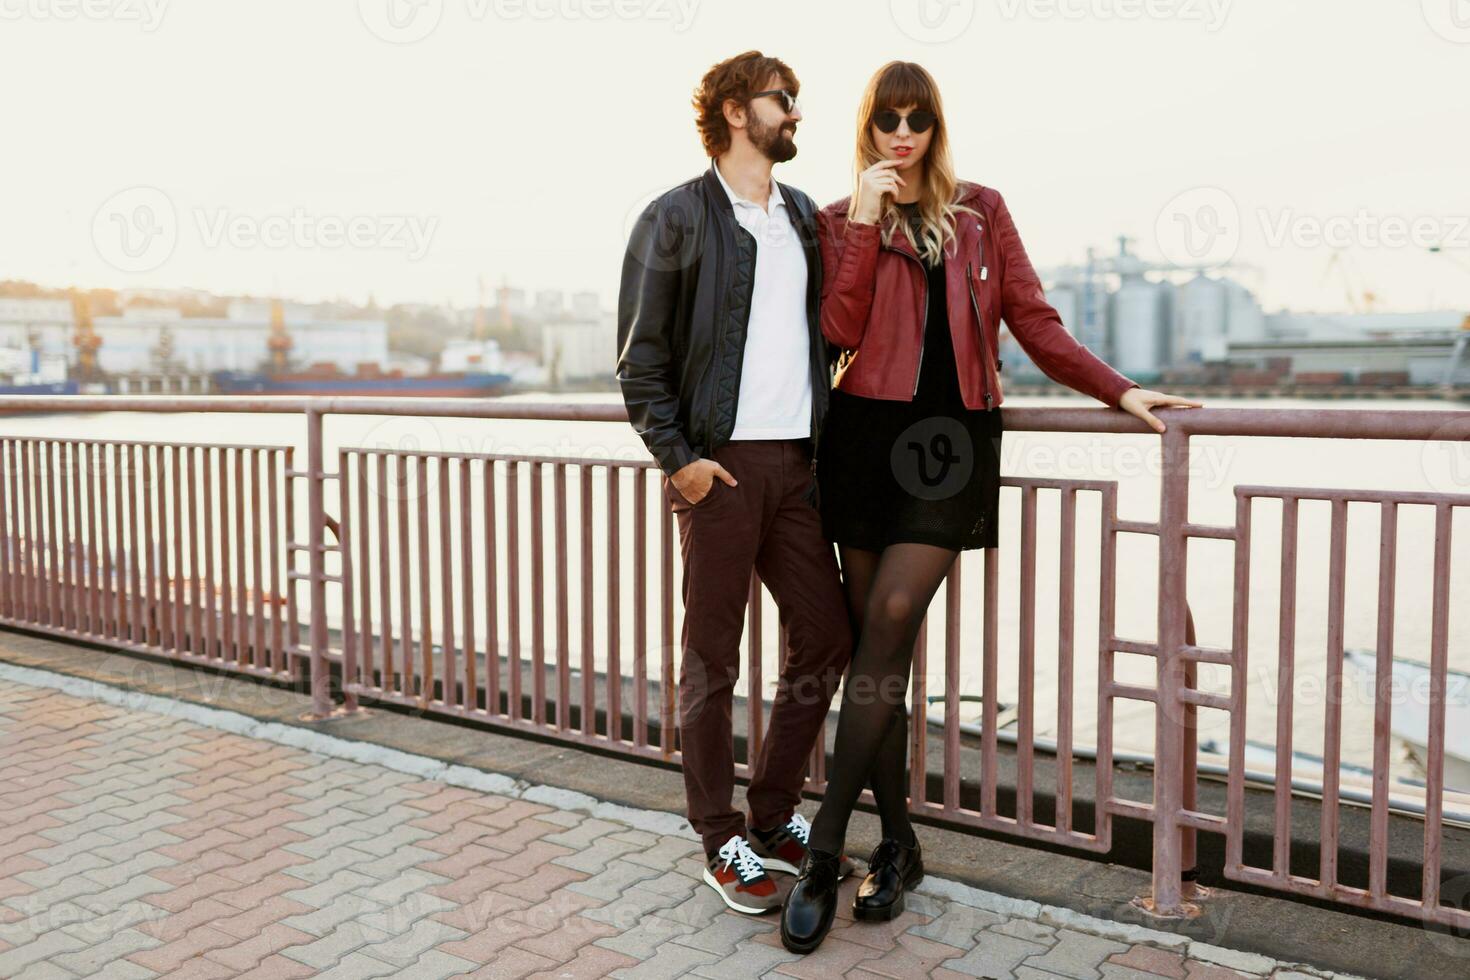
(887,594)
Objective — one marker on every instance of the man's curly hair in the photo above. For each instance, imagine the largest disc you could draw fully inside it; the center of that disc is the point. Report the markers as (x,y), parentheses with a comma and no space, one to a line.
(735,78)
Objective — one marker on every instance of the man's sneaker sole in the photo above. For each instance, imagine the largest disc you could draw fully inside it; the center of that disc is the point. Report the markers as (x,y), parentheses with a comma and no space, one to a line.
(714,883)
(776,864)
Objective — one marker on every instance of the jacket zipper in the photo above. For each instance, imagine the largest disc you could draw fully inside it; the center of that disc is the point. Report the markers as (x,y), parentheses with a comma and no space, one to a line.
(980,326)
(924,318)
(709,413)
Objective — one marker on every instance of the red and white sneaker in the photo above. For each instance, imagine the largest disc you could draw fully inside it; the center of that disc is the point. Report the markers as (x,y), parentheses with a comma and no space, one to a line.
(737,874)
(784,848)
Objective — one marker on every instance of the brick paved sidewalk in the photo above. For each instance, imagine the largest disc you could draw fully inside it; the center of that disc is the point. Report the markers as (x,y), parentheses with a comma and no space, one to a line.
(139,844)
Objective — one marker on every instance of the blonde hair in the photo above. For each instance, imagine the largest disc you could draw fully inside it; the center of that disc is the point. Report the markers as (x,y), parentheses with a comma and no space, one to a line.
(897,85)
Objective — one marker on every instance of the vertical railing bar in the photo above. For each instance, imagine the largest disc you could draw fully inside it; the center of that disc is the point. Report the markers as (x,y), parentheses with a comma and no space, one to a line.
(514,708)
(288,507)
(181,643)
(538,597)
(227,653)
(195,597)
(67,540)
(918,734)
(755,729)
(53,543)
(1332,722)
(563,638)
(321,691)
(66,543)
(1107,571)
(1285,687)
(127,531)
(31,451)
(7,537)
(589,669)
(1066,598)
(351,669)
(989,683)
(1438,669)
(492,586)
(211,461)
(260,657)
(405,580)
(953,609)
(1167,894)
(668,731)
(242,587)
(149,620)
(95,623)
(1239,660)
(614,622)
(640,608)
(273,518)
(389,681)
(106,575)
(471,699)
(166,638)
(1382,701)
(426,610)
(364,572)
(1026,699)
(446,589)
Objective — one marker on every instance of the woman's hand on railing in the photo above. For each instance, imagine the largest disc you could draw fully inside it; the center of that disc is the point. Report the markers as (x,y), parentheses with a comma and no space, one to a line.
(1140,401)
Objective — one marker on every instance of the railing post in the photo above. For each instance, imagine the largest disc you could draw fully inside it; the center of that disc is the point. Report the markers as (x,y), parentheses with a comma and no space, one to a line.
(321,691)
(1169,730)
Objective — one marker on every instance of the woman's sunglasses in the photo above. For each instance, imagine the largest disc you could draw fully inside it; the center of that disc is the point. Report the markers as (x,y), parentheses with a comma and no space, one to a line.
(919,121)
(789,102)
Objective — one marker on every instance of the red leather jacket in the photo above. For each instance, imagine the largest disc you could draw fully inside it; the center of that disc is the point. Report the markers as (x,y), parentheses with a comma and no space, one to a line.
(874,301)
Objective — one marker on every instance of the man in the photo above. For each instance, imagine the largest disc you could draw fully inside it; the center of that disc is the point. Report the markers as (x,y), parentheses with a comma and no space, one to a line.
(726,375)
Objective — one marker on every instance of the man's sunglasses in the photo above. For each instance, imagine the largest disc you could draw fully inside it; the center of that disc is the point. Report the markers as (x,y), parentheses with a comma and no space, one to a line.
(789,103)
(919,121)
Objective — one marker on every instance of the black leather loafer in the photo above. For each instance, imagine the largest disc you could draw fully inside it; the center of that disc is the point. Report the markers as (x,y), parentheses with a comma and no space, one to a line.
(892,870)
(807,914)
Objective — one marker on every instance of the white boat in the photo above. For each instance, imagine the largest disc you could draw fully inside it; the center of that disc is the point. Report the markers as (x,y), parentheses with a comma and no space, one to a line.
(1409,713)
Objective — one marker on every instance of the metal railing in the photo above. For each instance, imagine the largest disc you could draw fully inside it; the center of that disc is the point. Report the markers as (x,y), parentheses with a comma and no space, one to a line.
(452,594)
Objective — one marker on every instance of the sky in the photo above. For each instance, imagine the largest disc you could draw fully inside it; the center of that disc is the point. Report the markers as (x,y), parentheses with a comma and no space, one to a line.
(407,149)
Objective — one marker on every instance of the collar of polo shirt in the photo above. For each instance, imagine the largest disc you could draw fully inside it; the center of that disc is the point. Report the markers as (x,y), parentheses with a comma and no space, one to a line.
(737,200)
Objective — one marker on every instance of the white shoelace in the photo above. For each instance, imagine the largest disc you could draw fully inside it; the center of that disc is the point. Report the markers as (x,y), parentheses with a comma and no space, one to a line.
(747,865)
(799,827)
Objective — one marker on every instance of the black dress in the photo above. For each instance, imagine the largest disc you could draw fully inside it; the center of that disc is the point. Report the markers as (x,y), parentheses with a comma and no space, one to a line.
(926,470)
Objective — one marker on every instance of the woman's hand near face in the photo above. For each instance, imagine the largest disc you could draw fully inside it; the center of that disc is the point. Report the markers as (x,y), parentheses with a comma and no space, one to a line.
(879,179)
(1139,401)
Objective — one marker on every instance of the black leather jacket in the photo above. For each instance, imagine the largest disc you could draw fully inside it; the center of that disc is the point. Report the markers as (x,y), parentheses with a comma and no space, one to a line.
(682,310)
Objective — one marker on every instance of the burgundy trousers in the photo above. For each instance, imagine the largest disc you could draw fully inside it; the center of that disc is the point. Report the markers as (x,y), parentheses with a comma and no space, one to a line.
(764,524)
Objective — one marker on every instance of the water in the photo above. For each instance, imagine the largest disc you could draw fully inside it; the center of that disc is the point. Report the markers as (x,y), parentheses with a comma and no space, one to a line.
(1218,465)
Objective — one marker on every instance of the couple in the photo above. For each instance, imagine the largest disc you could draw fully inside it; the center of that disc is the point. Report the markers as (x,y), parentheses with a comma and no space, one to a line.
(738,298)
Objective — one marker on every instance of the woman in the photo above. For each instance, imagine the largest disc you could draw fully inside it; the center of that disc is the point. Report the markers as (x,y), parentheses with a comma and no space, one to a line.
(919,268)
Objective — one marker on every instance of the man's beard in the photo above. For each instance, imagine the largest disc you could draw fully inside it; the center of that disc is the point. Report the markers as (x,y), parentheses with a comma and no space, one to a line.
(771,141)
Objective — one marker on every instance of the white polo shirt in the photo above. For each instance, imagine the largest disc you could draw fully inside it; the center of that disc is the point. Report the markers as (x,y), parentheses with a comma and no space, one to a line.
(775,400)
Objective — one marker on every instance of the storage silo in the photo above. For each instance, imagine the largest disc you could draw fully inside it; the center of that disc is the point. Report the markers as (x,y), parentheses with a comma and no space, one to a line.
(1245,321)
(1139,325)
(1200,321)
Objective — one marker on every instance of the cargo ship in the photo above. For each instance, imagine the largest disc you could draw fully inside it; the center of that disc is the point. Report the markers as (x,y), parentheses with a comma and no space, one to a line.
(329,380)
